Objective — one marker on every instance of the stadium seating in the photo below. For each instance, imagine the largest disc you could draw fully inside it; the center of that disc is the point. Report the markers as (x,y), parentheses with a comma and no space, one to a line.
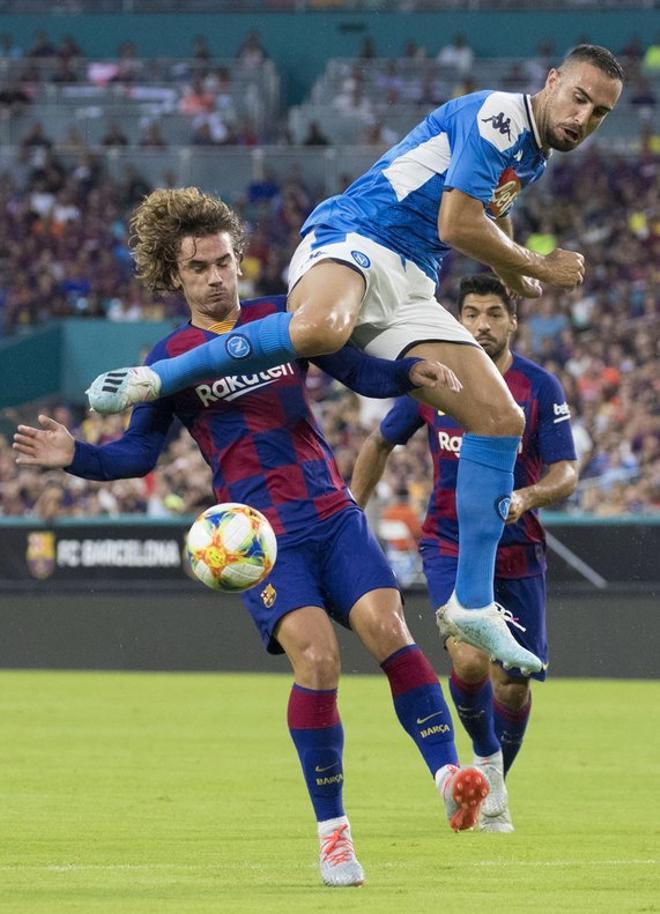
(75,157)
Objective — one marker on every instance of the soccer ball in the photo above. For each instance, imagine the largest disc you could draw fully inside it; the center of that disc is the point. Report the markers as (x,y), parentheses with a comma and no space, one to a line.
(231,547)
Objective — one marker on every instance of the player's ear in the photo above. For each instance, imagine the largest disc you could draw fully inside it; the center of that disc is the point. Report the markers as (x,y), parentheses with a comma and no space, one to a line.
(239,261)
(553,77)
(175,279)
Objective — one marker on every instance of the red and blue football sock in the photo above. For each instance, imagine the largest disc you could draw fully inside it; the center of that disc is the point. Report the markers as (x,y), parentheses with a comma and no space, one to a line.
(483,494)
(249,348)
(420,706)
(510,727)
(474,706)
(318,736)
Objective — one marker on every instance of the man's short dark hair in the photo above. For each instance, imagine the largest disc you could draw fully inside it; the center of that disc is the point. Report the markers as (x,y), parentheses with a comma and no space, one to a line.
(597,57)
(485,284)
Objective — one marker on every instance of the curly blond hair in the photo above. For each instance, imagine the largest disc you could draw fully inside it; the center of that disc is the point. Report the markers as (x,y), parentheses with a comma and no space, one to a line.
(164,218)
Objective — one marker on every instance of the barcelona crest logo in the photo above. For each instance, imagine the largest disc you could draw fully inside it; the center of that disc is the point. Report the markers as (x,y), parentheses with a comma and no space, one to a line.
(40,555)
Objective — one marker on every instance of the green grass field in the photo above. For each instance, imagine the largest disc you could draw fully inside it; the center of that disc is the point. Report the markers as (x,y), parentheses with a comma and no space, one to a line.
(158,793)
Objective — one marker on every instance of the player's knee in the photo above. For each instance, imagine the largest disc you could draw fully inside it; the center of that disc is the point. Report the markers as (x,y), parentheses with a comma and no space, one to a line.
(514,695)
(504,419)
(469,664)
(510,421)
(382,633)
(317,667)
(322,333)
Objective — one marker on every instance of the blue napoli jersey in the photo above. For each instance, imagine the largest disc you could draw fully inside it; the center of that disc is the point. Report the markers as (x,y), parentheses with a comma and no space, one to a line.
(547,439)
(485,144)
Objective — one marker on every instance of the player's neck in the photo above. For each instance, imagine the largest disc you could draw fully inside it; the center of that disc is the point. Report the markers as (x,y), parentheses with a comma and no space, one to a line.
(504,361)
(538,111)
(212,321)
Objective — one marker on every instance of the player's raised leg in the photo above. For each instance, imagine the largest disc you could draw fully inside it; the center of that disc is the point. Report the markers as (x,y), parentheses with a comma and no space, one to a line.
(310,643)
(377,618)
(323,308)
(493,424)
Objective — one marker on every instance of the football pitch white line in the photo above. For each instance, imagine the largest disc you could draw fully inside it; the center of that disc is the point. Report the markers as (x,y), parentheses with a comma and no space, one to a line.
(210,867)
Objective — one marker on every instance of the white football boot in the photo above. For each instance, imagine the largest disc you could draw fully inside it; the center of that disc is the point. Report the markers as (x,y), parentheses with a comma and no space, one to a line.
(114,391)
(463,791)
(494,814)
(339,865)
(486,628)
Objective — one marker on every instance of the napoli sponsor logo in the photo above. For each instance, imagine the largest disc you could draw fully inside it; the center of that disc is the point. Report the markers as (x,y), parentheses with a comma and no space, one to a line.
(238,346)
(502,506)
(361,259)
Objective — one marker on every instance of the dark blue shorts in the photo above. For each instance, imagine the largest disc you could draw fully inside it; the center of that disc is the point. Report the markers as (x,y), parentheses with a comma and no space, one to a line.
(335,563)
(525,598)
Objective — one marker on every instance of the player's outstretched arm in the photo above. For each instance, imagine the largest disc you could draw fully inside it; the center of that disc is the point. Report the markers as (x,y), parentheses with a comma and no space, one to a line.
(463,224)
(134,454)
(375,377)
(51,447)
(370,466)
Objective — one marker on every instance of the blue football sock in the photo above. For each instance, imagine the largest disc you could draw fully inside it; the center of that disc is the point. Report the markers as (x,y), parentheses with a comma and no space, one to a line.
(318,736)
(251,347)
(474,706)
(420,706)
(510,727)
(483,495)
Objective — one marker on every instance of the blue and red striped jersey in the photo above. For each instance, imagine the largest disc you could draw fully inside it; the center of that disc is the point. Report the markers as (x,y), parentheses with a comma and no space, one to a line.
(547,438)
(256,431)
(258,434)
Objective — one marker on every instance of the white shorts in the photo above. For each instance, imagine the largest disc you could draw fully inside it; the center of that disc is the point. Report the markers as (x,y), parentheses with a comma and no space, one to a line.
(399,307)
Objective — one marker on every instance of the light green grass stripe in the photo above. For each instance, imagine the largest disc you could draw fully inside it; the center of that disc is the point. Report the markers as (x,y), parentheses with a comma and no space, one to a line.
(155,793)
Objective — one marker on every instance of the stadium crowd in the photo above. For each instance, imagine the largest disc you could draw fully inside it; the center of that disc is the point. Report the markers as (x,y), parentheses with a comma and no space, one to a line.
(64,230)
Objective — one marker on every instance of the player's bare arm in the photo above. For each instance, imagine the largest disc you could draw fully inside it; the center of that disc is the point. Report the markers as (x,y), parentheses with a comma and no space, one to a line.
(51,447)
(559,482)
(369,467)
(523,286)
(463,224)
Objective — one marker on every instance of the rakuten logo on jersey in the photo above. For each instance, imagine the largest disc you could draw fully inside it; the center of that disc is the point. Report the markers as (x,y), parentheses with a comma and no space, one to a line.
(233,386)
(450,443)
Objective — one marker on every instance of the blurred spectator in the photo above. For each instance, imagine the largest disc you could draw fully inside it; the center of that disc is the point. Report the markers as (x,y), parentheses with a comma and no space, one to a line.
(367,49)
(9,50)
(41,46)
(200,49)
(209,129)
(457,56)
(114,136)
(251,52)
(196,99)
(130,67)
(151,137)
(315,136)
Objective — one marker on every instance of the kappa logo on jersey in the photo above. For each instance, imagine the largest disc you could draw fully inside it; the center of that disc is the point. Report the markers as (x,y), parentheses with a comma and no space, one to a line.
(238,346)
(233,386)
(499,122)
(361,259)
(508,188)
